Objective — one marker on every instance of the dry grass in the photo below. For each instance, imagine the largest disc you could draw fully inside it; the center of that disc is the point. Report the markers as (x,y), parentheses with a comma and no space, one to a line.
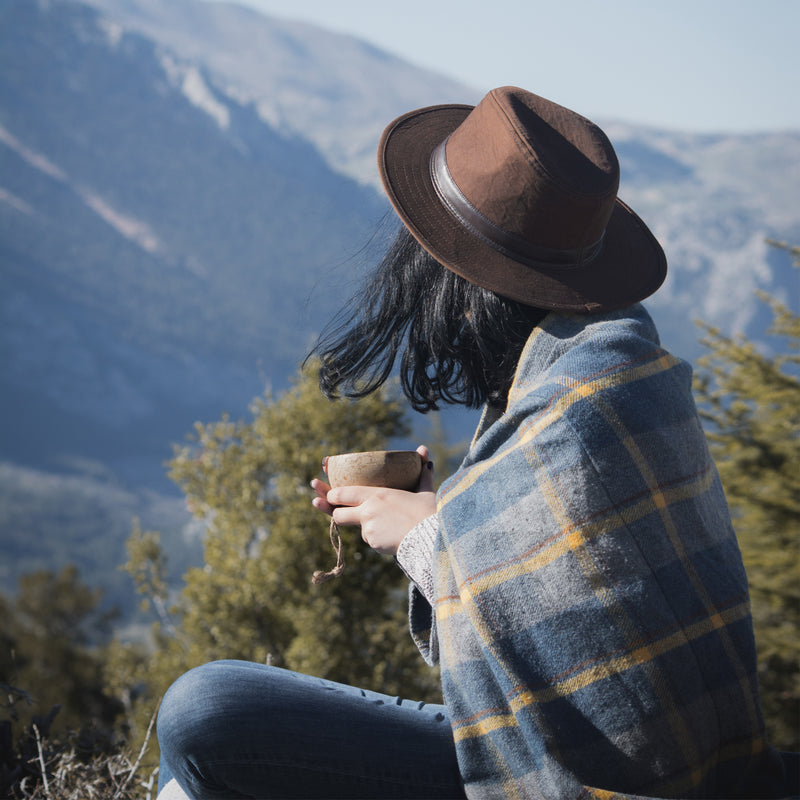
(43,769)
(67,777)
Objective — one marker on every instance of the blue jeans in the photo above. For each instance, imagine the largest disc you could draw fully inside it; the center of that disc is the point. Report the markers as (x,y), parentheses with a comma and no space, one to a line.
(234,729)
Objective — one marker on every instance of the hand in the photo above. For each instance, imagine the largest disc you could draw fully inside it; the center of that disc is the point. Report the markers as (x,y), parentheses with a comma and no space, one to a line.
(385,515)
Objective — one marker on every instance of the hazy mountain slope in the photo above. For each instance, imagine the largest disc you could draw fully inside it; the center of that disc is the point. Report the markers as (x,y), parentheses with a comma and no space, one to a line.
(176,223)
(712,201)
(158,262)
(164,255)
(334,90)
(48,520)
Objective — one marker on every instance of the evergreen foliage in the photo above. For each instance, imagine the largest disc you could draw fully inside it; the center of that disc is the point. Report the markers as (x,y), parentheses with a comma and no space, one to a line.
(57,728)
(51,646)
(253,599)
(750,402)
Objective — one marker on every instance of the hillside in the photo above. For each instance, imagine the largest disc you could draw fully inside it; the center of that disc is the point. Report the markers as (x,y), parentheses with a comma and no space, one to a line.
(332,90)
(158,263)
(185,189)
(711,199)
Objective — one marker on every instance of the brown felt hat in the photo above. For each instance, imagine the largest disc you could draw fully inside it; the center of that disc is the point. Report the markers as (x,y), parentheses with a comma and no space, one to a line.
(519,195)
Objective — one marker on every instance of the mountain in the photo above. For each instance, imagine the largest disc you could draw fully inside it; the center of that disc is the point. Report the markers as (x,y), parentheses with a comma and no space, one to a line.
(185,190)
(159,261)
(166,253)
(332,90)
(712,201)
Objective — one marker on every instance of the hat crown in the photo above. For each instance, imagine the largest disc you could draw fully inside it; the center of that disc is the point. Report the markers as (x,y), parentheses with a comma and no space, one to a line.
(535,169)
(518,195)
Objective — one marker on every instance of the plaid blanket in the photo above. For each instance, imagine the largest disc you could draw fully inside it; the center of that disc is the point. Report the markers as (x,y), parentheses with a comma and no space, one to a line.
(592,618)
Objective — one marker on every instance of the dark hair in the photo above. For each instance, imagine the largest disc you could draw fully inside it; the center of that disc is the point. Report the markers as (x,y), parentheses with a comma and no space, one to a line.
(459,343)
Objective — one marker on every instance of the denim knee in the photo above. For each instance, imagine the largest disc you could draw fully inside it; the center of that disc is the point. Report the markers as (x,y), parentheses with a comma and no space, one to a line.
(187,706)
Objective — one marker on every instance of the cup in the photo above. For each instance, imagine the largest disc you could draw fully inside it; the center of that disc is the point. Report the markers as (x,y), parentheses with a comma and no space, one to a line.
(394,469)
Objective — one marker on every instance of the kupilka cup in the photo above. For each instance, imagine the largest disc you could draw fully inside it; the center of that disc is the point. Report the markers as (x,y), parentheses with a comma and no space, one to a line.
(394,469)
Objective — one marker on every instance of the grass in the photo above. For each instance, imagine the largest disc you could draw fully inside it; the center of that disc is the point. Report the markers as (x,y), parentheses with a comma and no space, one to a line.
(38,767)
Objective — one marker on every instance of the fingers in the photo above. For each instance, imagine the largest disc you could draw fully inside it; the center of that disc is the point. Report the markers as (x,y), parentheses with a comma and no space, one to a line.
(320,502)
(351,503)
(348,515)
(352,495)
(322,505)
(426,482)
(329,500)
(320,487)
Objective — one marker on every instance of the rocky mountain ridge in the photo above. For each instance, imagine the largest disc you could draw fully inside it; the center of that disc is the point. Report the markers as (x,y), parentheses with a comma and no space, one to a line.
(185,191)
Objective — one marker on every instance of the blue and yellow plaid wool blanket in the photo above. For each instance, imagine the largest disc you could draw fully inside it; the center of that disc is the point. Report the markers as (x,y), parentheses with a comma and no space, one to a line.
(592,619)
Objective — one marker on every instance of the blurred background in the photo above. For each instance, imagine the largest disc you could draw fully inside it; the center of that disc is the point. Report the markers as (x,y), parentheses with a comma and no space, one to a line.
(188,193)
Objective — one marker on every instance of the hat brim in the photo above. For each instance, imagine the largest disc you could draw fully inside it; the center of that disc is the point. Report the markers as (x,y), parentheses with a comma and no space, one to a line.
(630,266)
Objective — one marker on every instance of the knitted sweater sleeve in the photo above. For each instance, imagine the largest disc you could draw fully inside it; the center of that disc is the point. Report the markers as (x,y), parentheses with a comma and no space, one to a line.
(415,557)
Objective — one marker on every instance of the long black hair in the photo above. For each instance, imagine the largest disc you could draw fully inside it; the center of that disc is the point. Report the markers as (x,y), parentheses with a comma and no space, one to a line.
(457,342)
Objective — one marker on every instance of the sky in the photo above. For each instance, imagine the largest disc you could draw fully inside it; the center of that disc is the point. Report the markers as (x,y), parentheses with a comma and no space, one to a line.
(693,65)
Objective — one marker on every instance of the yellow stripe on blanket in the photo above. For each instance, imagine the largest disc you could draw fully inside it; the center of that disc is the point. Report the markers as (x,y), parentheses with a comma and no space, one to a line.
(480,728)
(579,391)
(597,672)
(570,540)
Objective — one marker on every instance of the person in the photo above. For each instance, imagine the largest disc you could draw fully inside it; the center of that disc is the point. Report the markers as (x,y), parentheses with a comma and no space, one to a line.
(577,579)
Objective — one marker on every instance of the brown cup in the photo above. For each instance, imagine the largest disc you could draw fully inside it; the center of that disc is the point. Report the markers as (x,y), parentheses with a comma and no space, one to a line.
(394,469)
